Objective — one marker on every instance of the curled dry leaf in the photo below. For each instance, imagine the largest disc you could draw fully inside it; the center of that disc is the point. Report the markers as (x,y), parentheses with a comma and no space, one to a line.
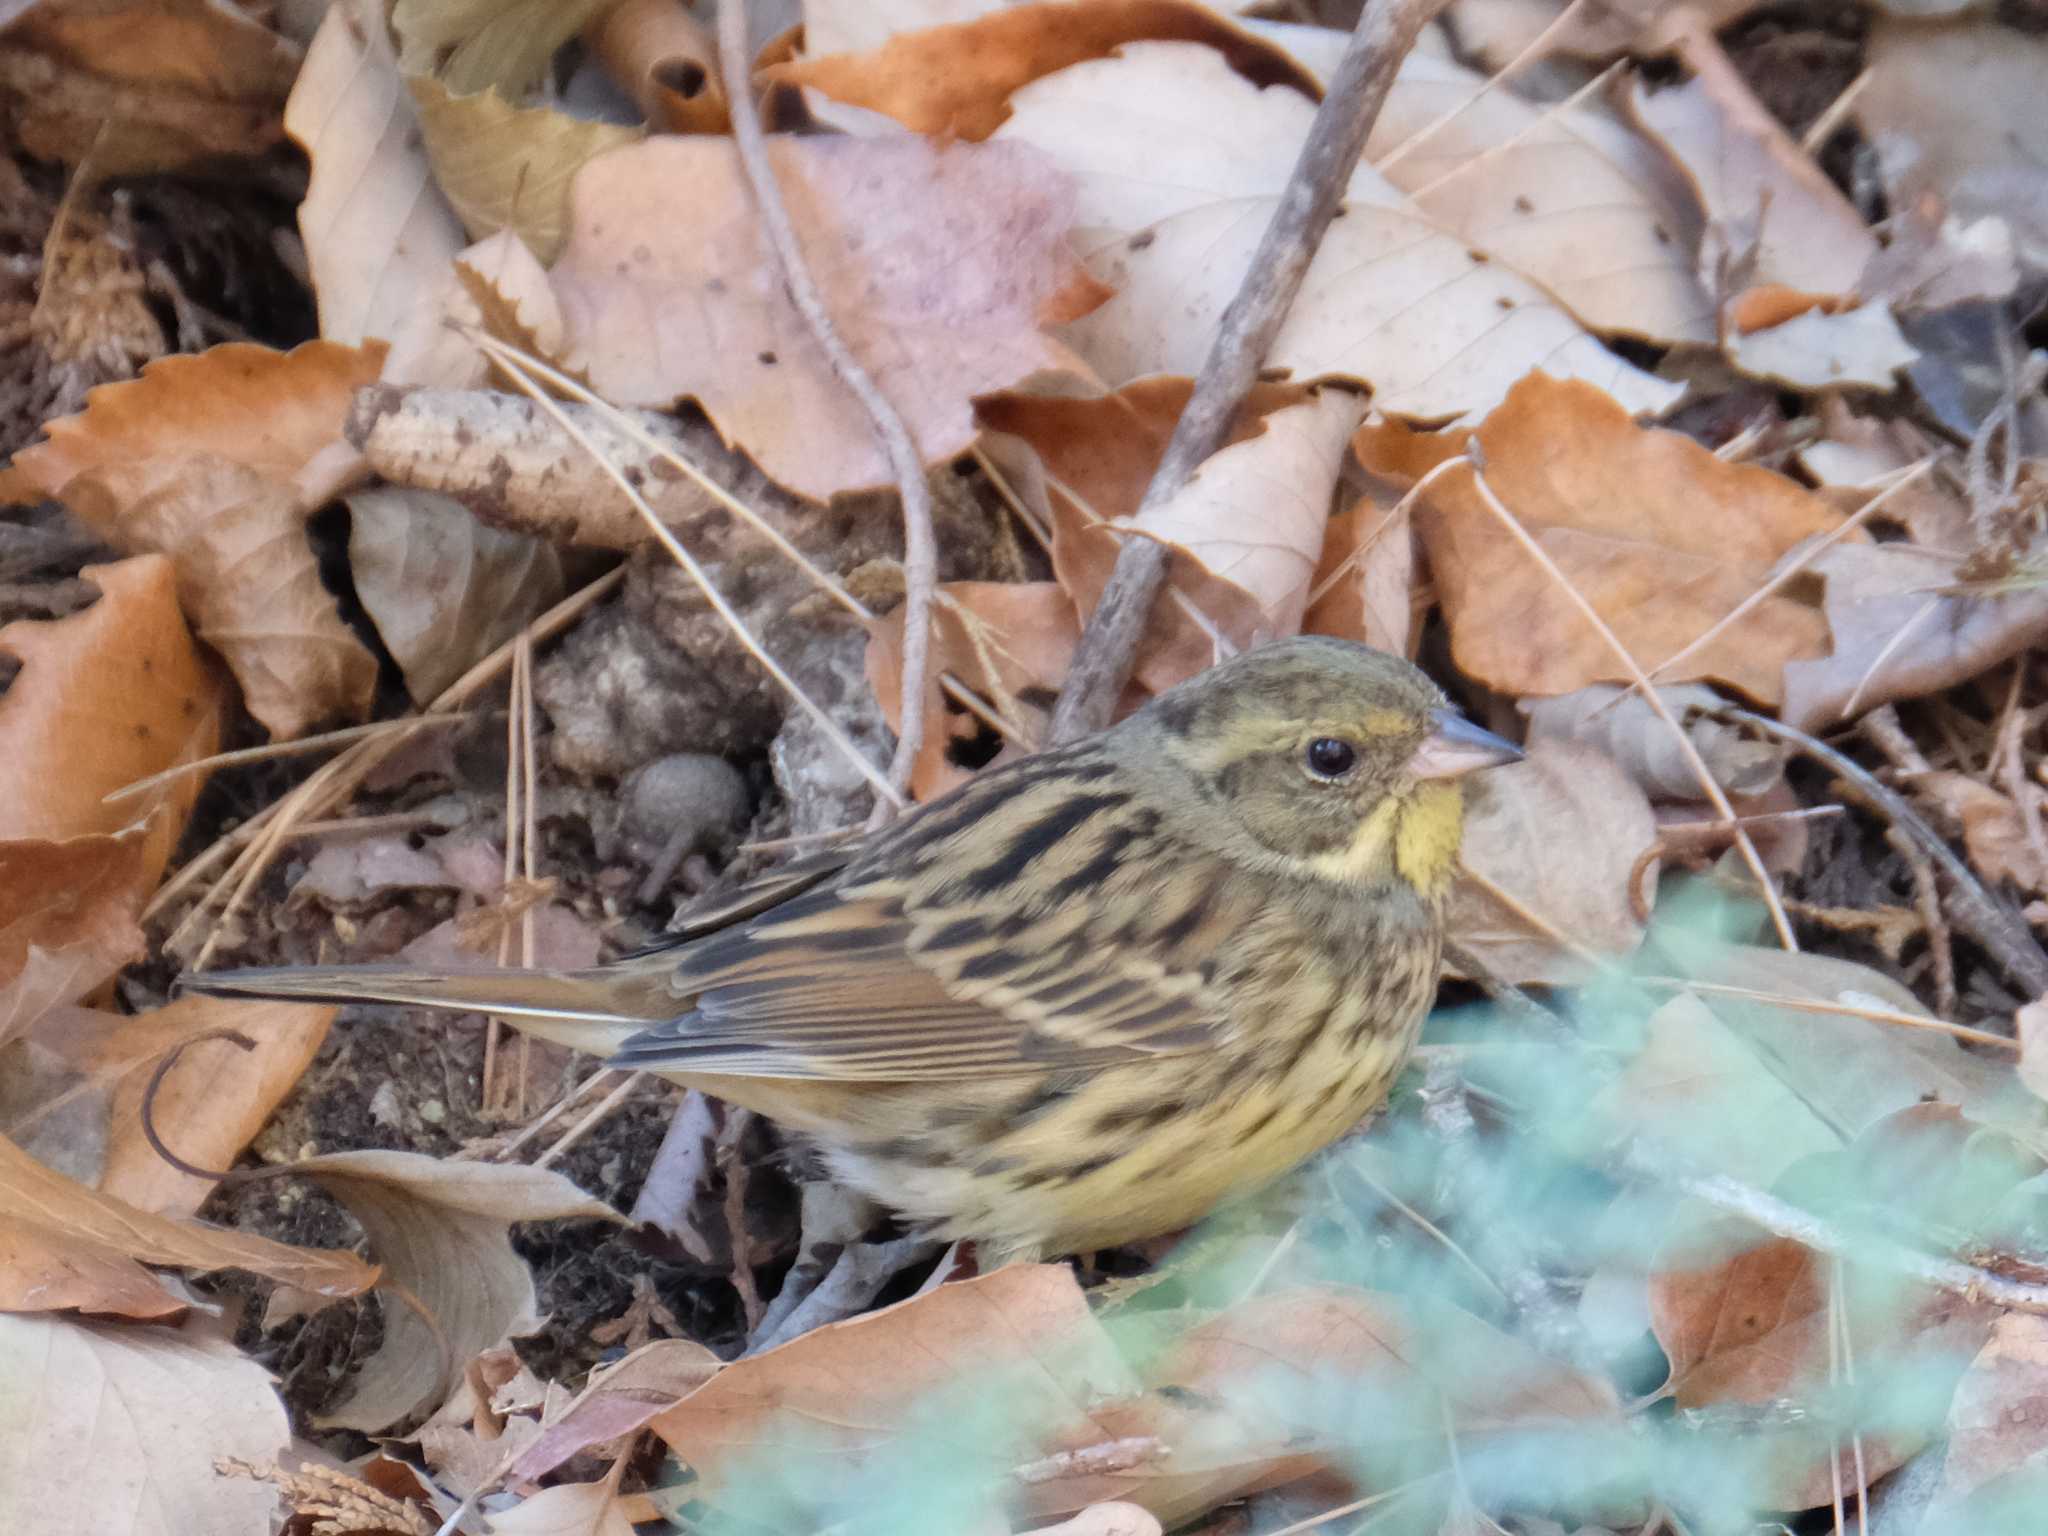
(1178,158)
(378,232)
(667,61)
(216,460)
(1552,844)
(441,1231)
(1901,631)
(106,696)
(443,589)
(122,1431)
(72,1247)
(1621,723)
(1662,539)
(956,81)
(938,264)
(1247,531)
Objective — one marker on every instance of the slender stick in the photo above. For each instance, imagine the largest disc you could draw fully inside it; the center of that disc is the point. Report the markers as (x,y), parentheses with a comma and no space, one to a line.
(920,544)
(1102,662)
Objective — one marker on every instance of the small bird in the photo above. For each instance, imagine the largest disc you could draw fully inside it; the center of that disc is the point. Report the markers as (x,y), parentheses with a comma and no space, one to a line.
(1086,996)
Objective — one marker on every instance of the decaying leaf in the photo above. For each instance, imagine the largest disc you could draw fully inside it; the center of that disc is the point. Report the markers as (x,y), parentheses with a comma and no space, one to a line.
(1658,535)
(217,460)
(1995,834)
(443,589)
(1170,212)
(1994,1422)
(1364,585)
(1901,631)
(1621,723)
(939,266)
(1551,846)
(441,1231)
(121,1432)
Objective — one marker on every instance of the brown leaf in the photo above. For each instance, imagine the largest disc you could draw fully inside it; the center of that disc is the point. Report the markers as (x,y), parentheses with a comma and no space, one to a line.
(2030,1024)
(442,1230)
(1995,1418)
(1900,633)
(1551,845)
(1659,536)
(49,1214)
(1099,456)
(618,1400)
(68,911)
(216,460)
(939,266)
(1994,830)
(956,81)
(121,1432)
(1366,579)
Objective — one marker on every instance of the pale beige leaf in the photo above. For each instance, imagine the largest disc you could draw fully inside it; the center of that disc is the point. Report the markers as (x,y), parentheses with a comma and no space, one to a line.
(1995,1417)
(114,1431)
(378,233)
(1774,220)
(1109,1519)
(619,1399)
(1563,194)
(1178,159)
(2030,1024)
(509,167)
(1551,844)
(1954,113)
(443,589)
(1818,350)
(1899,634)
(1366,579)
(567,1509)
(441,1229)
(1620,722)
(497,287)
(938,264)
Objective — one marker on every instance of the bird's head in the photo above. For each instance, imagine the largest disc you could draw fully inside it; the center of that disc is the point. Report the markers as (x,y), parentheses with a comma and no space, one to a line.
(1324,758)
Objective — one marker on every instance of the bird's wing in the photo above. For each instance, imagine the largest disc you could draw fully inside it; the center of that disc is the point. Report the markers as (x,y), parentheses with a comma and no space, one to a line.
(1014,931)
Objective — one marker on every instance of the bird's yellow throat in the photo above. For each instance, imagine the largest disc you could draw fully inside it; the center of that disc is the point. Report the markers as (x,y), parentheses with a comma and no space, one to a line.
(1422,830)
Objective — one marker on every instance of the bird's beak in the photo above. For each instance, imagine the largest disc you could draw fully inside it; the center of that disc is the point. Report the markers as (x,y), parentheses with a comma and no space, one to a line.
(1455,747)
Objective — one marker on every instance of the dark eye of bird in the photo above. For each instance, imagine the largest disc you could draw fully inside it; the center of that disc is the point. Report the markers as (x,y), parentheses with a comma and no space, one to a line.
(1330,758)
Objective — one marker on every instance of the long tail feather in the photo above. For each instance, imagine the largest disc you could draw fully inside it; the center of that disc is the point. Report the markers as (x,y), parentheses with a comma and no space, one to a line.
(585,1010)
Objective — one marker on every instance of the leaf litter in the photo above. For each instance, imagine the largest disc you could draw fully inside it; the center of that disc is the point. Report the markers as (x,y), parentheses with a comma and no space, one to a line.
(1027,231)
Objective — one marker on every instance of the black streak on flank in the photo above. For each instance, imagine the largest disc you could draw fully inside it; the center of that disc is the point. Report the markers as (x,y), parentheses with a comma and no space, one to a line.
(1080,1171)
(1065,818)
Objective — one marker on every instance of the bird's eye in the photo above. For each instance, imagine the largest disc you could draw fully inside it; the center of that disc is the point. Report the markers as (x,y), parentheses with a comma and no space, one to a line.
(1330,758)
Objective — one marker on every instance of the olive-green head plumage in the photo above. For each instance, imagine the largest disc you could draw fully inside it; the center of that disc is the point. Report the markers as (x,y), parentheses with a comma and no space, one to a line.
(1317,757)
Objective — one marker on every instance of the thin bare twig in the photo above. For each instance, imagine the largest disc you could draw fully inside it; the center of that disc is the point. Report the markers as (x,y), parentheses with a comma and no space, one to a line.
(2001,931)
(1102,662)
(920,544)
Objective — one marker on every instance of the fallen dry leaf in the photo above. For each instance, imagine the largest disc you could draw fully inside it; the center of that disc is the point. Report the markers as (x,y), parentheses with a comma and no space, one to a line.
(1994,829)
(1780,238)
(115,1431)
(1954,114)
(216,460)
(441,1230)
(108,695)
(378,232)
(1561,192)
(1994,1420)
(1621,723)
(1901,633)
(1177,158)
(71,1091)
(619,1399)
(443,589)
(1658,535)
(1247,531)
(667,61)
(57,1226)
(939,265)
(2030,1026)
(1551,846)
(956,81)
(567,1509)
(1816,350)
(1364,585)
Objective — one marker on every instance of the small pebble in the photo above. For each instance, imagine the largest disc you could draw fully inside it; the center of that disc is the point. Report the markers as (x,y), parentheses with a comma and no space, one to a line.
(690,799)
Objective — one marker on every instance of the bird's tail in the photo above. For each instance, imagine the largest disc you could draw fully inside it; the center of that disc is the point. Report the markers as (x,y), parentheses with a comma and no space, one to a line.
(586,1010)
